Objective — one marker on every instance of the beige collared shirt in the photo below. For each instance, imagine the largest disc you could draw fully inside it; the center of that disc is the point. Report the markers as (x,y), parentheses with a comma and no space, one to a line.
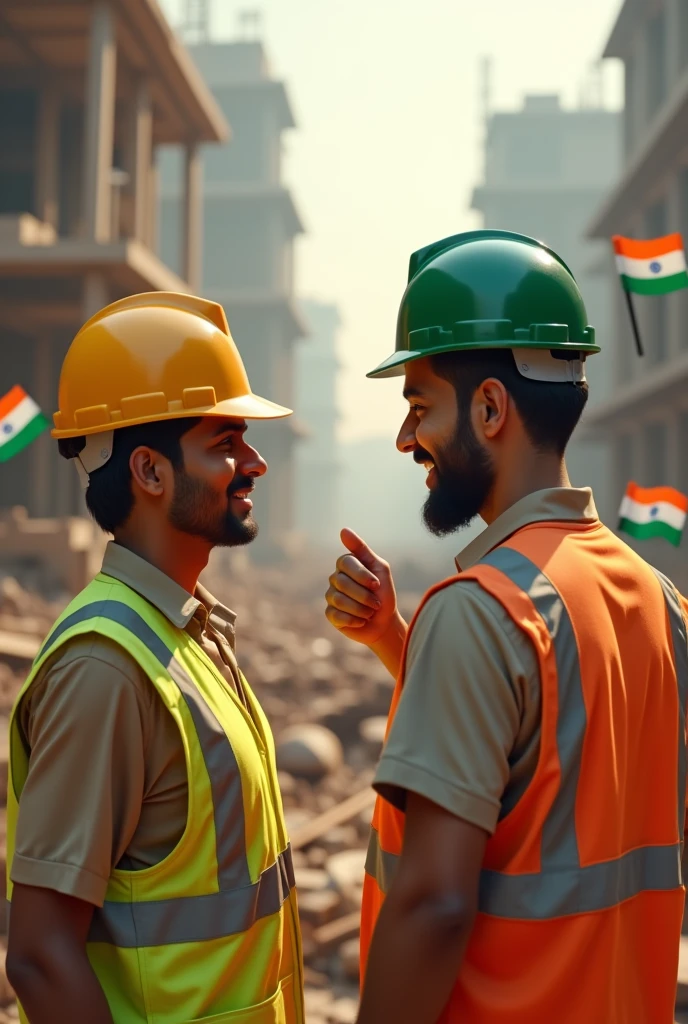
(466,734)
(107,782)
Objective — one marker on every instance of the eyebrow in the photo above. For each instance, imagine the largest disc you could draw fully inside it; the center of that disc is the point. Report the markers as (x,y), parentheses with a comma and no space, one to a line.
(411,392)
(228,428)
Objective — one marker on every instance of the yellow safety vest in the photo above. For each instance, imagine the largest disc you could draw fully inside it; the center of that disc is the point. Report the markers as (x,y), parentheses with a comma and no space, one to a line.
(211,933)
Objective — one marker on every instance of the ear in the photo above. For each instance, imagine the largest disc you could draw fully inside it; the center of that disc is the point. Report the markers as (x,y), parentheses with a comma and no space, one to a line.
(490,408)
(149,471)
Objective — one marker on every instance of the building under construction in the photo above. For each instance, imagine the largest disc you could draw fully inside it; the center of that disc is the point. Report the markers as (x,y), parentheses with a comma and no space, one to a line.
(89,89)
(250,222)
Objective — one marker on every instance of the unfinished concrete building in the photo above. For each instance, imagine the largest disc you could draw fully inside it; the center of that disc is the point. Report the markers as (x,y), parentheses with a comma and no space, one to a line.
(88,90)
(250,223)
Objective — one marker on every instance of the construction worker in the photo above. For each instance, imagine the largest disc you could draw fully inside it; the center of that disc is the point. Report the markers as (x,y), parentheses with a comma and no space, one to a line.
(525,855)
(149,869)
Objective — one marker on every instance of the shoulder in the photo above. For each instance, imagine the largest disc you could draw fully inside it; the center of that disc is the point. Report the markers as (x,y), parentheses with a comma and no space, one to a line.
(86,676)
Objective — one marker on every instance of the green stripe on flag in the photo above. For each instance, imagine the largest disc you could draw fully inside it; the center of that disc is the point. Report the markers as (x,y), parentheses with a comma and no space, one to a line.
(655,285)
(642,531)
(30,432)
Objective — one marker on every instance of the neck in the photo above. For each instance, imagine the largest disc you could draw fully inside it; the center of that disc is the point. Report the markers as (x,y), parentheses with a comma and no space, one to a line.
(538,473)
(179,555)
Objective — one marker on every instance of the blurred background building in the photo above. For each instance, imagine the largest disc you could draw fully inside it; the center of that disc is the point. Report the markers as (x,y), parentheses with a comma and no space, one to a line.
(546,170)
(318,456)
(645,417)
(88,92)
(246,259)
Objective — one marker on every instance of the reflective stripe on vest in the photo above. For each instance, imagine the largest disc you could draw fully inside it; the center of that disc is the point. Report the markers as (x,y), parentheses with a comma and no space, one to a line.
(563,886)
(240,902)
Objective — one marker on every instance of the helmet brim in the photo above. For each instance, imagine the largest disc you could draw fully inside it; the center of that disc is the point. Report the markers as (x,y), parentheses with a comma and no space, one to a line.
(244,407)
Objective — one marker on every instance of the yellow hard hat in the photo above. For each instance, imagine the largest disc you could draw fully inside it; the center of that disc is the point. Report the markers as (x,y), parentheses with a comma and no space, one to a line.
(154,356)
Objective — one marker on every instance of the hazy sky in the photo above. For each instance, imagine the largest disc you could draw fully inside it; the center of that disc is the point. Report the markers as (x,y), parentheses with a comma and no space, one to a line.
(388,144)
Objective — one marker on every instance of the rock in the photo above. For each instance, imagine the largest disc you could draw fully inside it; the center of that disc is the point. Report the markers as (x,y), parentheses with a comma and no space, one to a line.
(348,955)
(287,783)
(343,837)
(311,879)
(372,731)
(316,857)
(309,751)
(346,870)
(319,907)
(343,1011)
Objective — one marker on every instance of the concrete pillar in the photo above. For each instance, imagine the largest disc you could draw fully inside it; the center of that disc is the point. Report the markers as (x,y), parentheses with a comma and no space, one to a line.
(192,214)
(151,212)
(100,122)
(141,142)
(42,450)
(674,41)
(47,156)
(95,295)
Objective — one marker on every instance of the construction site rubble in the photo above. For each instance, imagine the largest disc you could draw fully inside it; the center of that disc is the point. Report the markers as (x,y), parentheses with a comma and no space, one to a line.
(326,700)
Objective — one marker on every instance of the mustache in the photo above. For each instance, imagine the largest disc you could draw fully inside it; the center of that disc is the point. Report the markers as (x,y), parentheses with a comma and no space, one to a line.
(240,484)
(420,455)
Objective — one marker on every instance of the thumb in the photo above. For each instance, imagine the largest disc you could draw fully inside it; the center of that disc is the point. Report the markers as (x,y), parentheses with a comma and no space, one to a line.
(358,547)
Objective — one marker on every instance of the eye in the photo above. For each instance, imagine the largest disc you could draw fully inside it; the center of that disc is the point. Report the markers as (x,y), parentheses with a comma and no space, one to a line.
(418,409)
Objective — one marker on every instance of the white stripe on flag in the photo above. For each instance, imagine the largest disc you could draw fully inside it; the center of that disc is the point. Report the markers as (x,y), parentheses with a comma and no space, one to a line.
(19,418)
(641,514)
(668,264)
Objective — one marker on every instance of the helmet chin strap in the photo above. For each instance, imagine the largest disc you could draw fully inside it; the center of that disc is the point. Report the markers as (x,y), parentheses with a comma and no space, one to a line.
(95,453)
(540,364)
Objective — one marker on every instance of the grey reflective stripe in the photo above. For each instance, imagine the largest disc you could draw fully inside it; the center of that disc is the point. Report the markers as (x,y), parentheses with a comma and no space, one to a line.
(379,864)
(194,918)
(220,762)
(578,890)
(559,840)
(680,644)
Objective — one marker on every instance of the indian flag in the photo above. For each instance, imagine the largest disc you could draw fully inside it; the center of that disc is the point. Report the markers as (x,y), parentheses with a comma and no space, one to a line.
(21,421)
(653,267)
(653,512)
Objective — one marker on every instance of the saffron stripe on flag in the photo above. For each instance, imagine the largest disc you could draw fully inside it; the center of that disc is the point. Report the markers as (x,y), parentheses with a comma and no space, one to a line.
(653,495)
(14,397)
(31,431)
(646,249)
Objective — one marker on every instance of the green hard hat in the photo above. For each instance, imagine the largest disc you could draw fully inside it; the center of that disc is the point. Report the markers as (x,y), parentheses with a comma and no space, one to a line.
(488,289)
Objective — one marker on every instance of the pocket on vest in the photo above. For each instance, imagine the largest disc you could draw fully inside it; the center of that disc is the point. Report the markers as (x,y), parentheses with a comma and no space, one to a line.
(278,1009)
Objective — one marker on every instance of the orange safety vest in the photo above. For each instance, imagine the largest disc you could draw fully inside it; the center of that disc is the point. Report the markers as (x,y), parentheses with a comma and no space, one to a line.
(581,893)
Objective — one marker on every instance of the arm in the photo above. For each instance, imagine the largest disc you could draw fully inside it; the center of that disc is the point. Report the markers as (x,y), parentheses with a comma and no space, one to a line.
(426,919)
(47,964)
(470,698)
(362,603)
(78,810)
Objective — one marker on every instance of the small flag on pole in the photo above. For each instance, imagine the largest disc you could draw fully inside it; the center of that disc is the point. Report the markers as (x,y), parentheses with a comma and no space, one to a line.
(653,267)
(21,422)
(653,512)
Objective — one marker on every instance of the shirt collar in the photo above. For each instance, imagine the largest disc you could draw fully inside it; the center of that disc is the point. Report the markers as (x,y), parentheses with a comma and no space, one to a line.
(556,504)
(175,603)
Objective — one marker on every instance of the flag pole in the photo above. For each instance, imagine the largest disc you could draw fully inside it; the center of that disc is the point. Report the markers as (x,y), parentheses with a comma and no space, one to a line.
(634,322)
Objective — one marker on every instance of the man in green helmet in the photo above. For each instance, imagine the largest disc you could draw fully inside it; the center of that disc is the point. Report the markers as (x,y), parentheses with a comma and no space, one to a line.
(521,866)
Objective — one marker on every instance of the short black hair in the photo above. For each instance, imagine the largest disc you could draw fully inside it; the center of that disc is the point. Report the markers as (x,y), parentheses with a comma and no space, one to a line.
(549,411)
(109,497)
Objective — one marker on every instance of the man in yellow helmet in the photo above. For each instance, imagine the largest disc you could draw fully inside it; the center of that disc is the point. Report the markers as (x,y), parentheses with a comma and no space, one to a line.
(149,869)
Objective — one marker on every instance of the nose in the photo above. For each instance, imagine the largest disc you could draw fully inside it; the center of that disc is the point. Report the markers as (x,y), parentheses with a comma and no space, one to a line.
(406,438)
(252,462)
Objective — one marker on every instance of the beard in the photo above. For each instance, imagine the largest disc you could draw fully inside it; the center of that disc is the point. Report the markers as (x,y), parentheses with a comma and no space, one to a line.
(464,478)
(196,510)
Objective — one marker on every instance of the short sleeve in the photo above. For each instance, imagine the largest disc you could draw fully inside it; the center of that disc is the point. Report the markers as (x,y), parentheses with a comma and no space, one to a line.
(84,722)
(467,689)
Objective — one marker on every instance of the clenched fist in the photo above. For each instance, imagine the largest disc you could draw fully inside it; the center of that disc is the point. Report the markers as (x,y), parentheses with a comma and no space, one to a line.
(361,600)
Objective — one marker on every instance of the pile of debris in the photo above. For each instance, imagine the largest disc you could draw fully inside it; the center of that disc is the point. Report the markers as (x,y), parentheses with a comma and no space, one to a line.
(326,699)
